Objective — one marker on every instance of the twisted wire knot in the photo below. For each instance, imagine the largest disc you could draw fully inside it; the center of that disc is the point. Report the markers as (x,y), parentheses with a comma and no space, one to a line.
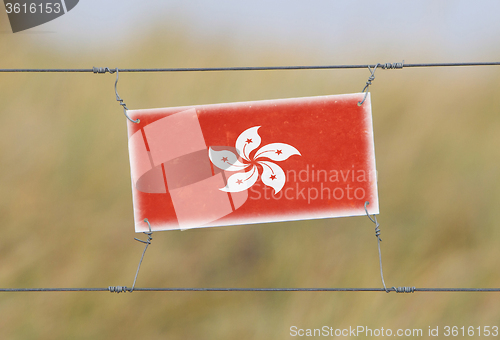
(369,82)
(103,70)
(147,242)
(118,289)
(148,233)
(120,101)
(386,66)
(377,231)
(389,66)
(374,220)
(403,289)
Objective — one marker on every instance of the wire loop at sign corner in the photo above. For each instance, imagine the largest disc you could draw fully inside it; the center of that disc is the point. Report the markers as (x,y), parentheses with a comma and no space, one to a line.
(118,98)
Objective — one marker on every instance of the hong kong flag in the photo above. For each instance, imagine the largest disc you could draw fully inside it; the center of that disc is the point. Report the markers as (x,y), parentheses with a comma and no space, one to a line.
(252,162)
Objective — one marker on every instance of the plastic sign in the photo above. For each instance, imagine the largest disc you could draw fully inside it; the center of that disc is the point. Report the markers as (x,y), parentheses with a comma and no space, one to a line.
(252,162)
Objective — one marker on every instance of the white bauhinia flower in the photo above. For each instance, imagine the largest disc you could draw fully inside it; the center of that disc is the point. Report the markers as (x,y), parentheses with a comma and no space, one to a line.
(248,141)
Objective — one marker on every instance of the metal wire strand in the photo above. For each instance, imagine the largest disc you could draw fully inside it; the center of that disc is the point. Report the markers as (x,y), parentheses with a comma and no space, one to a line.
(247,68)
(123,289)
(377,235)
(368,83)
(120,289)
(147,242)
(118,99)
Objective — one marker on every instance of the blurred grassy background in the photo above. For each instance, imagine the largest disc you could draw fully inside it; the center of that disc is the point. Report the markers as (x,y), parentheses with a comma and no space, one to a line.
(66,207)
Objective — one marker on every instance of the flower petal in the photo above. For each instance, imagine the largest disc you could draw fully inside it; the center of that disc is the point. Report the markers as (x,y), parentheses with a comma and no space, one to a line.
(225,160)
(248,141)
(241,181)
(277,151)
(273,176)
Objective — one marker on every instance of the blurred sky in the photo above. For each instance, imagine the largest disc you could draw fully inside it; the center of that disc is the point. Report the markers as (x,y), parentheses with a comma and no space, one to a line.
(321,31)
